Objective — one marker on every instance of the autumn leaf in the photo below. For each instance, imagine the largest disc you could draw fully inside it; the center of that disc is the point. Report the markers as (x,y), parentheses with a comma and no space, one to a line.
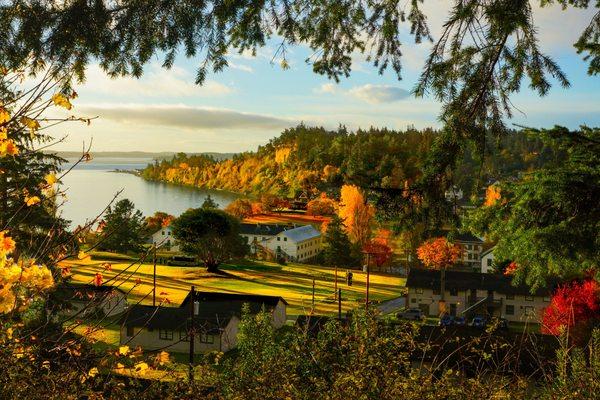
(93,372)
(141,367)
(162,358)
(50,179)
(123,350)
(31,200)
(61,100)
(98,279)
(4,116)
(8,148)
(32,124)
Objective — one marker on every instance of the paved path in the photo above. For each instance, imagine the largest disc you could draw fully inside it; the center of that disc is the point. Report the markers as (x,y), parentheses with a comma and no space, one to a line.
(392,305)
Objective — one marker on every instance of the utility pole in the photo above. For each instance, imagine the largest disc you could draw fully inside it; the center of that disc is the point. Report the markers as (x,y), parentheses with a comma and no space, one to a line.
(191,332)
(313,297)
(339,296)
(154,279)
(335,288)
(368,279)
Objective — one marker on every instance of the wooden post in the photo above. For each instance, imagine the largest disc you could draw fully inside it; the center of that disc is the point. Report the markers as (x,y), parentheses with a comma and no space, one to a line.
(191,332)
(154,279)
(339,296)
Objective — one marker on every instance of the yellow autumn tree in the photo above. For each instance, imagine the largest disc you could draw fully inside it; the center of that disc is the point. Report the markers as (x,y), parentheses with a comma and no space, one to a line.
(356,214)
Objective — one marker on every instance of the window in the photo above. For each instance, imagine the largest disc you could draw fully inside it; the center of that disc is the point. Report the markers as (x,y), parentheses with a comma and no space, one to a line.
(510,297)
(419,290)
(164,334)
(510,310)
(278,239)
(468,247)
(413,300)
(169,233)
(183,336)
(285,239)
(163,233)
(546,299)
(528,298)
(453,292)
(204,338)
(129,331)
(489,262)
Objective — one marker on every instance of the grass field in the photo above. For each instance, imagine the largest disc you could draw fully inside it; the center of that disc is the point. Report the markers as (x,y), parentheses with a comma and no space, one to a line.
(293,282)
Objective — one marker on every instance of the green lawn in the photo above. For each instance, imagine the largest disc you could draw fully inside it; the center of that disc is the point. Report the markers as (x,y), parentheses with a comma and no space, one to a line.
(293,282)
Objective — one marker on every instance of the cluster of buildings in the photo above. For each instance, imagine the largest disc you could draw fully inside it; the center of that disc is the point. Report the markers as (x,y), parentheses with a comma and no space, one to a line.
(296,243)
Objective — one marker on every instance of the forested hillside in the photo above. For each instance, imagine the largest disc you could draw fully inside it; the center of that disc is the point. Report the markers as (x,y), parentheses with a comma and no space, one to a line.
(314,159)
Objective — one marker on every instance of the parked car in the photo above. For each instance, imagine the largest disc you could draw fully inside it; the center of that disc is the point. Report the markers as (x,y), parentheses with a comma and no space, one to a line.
(460,321)
(478,322)
(411,313)
(447,320)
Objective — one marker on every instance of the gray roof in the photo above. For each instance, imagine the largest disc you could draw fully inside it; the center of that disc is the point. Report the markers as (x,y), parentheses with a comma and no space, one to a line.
(467,237)
(261,229)
(302,233)
(490,250)
(430,279)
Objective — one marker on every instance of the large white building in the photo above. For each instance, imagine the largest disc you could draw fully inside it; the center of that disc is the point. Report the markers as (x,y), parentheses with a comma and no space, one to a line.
(292,243)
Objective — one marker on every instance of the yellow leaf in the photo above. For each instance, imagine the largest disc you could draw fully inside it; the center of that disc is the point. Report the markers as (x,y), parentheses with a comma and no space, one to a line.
(3,133)
(8,148)
(9,333)
(30,123)
(4,116)
(163,358)
(120,366)
(62,101)
(141,367)
(93,372)
(123,350)
(51,179)
(81,255)
(31,201)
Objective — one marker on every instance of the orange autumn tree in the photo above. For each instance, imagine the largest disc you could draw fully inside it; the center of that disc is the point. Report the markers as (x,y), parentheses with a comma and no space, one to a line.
(438,253)
(379,249)
(492,195)
(356,214)
(322,205)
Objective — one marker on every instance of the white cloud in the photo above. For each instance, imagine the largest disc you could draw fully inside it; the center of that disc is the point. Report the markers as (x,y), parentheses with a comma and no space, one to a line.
(156,82)
(329,87)
(241,67)
(182,116)
(376,94)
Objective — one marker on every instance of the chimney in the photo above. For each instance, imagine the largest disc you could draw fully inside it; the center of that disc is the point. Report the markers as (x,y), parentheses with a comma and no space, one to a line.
(196,307)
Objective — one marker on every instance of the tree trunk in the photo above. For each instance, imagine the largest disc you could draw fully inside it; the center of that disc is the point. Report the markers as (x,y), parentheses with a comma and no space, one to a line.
(212,267)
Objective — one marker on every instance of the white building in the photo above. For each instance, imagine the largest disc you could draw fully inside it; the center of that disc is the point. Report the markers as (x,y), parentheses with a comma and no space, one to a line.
(289,242)
(298,244)
(163,238)
(487,260)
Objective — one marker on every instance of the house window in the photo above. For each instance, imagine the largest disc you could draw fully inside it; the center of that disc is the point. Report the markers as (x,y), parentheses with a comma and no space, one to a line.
(209,339)
(510,310)
(285,239)
(528,298)
(278,239)
(163,233)
(468,247)
(453,292)
(546,299)
(169,233)
(129,331)
(489,262)
(183,336)
(510,297)
(165,334)
(419,290)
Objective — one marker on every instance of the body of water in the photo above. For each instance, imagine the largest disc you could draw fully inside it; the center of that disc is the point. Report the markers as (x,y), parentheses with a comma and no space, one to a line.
(91,186)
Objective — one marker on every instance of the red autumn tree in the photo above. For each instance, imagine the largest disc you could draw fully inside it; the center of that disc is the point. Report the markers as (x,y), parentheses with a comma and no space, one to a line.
(573,306)
(240,208)
(322,205)
(379,250)
(438,253)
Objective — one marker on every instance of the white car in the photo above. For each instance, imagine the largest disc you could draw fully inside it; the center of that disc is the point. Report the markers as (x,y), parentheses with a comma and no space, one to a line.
(411,313)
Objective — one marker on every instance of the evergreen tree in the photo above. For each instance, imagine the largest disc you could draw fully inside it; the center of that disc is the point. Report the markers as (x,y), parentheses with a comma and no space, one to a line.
(209,203)
(124,229)
(338,250)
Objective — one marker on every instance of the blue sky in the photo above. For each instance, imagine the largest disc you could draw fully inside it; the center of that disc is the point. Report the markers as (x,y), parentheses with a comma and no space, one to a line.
(255,99)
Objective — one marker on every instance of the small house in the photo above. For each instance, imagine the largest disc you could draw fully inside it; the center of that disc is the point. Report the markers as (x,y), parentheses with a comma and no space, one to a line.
(216,318)
(163,238)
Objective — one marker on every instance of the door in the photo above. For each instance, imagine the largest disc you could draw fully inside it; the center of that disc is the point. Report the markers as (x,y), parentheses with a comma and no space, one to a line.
(453,309)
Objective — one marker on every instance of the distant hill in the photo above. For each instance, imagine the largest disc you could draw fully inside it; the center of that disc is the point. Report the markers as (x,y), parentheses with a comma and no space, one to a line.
(165,155)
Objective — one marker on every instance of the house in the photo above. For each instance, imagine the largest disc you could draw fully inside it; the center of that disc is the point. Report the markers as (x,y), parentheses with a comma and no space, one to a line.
(298,244)
(163,238)
(487,260)
(85,300)
(454,194)
(289,242)
(471,247)
(471,293)
(216,322)
(257,235)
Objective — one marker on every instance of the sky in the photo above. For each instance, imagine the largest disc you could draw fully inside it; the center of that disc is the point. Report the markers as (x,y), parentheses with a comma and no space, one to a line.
(255,99)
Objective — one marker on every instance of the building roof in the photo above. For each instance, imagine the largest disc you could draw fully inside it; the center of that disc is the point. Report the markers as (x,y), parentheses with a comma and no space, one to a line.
(488,251)
(430,279)
(467,237)
(302,233)
(261,229)
(214,312)
(85,292)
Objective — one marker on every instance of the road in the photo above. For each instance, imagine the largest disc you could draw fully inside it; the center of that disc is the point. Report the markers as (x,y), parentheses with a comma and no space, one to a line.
(391,305)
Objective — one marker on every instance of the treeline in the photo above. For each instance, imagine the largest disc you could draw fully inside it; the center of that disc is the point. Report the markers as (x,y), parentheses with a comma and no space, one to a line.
(313,160)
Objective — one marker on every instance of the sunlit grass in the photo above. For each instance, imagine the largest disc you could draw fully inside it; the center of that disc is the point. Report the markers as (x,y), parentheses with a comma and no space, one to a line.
(293,282)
